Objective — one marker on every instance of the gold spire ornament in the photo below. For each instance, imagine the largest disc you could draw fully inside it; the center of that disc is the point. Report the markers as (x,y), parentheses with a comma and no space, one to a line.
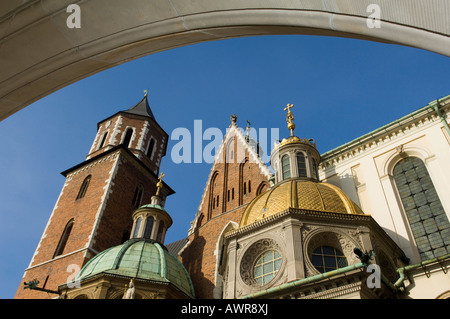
(290,118)
(159,185)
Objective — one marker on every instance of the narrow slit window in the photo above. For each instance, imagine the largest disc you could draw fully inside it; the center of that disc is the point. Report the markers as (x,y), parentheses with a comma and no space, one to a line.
(149,227)
(301,165)
(150,148)
(128,136)
(285,166)
(138,196)
(84,187)
(63,240)
(102,143)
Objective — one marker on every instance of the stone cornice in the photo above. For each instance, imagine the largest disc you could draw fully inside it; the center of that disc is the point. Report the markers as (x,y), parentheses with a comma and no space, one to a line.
(410,123)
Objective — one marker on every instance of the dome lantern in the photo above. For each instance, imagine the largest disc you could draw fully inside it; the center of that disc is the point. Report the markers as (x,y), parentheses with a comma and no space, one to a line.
(152,221)
(294,157)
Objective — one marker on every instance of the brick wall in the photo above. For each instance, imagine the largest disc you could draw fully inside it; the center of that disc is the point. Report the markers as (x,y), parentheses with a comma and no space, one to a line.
(217,210)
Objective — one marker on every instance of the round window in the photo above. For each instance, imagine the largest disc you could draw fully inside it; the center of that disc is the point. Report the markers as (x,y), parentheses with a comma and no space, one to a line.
(267,266)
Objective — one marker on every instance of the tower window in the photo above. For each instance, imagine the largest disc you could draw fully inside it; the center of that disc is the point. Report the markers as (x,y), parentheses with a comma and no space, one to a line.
(232,193)
(148,227)
(301,165)
(137,227)
(285,166)
(103,140)
(315,171)
(249,186)
(245,188)
(327,258)
(160,231)
(84,187)
(63,240)
(423,209)
(151,146)
(138,196)
(128,136)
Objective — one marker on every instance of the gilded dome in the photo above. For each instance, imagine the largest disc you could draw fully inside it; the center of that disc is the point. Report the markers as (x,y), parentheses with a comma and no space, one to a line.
(139,259)
(299,194)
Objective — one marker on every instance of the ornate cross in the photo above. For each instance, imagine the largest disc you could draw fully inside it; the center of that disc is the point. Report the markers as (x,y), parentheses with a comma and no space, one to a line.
(159,185)
(290,118)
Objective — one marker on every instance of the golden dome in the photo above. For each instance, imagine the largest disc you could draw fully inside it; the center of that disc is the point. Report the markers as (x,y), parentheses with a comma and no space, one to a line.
(299,194)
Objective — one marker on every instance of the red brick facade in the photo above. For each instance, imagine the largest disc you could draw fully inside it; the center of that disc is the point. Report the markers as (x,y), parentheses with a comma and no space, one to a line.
(99,215)
(236,178)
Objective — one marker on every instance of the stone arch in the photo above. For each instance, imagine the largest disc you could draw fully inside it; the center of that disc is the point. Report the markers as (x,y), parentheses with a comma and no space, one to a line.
(402,152)
(444,295)
(220,254)
(111,37)
(213,202)
(262,187)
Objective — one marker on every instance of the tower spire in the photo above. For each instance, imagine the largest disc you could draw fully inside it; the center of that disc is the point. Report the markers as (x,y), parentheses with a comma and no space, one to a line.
(142,107)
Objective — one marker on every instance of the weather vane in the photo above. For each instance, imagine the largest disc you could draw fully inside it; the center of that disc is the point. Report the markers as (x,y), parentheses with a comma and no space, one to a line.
(159,185)
(145,92)
(290,118)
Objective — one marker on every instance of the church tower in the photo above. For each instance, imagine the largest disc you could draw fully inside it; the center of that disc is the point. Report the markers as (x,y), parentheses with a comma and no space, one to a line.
(93,210)
(237,176)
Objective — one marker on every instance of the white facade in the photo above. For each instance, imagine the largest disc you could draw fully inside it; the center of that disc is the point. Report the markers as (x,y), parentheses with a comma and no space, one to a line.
(363,169)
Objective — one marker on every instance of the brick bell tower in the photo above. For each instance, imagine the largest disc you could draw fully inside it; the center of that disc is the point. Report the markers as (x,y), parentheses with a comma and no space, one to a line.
(93,210)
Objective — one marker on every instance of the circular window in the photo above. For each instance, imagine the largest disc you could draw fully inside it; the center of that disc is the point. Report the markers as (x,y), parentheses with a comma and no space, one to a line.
(327,258)
(266,267)
(262,262)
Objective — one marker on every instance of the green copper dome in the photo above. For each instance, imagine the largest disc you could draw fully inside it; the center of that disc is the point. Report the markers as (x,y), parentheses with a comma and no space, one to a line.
(139,259)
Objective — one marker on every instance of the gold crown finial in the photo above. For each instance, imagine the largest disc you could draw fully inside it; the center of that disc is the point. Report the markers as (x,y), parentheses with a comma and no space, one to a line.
(146,92)
(159,185)
(290,118)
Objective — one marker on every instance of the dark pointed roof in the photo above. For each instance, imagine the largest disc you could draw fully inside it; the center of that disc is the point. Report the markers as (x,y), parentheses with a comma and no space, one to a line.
(142,108)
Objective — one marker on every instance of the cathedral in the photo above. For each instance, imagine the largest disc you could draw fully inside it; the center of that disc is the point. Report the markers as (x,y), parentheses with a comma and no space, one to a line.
(366,220)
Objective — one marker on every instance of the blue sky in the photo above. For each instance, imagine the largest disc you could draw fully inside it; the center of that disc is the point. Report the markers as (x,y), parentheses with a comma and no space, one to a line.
(341,89)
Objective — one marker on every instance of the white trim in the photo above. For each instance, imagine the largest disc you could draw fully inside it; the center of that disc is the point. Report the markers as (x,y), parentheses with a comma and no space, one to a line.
(235,132)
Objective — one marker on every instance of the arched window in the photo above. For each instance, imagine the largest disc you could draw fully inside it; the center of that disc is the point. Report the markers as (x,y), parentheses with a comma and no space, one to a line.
(160,231)
(137,198)
(230,150)
(103,140)
(327,258)
(315,172)
(151,146)
(84,187)
(285,167)
(127,139)
(63,240)
(148,227)
(137,226)
(426,216)
(301,165)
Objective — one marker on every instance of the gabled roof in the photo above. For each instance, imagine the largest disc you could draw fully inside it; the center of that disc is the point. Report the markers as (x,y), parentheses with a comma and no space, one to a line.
(248,145)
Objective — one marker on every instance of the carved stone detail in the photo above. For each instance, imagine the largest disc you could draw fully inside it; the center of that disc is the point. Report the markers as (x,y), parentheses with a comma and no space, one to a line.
(250,257)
